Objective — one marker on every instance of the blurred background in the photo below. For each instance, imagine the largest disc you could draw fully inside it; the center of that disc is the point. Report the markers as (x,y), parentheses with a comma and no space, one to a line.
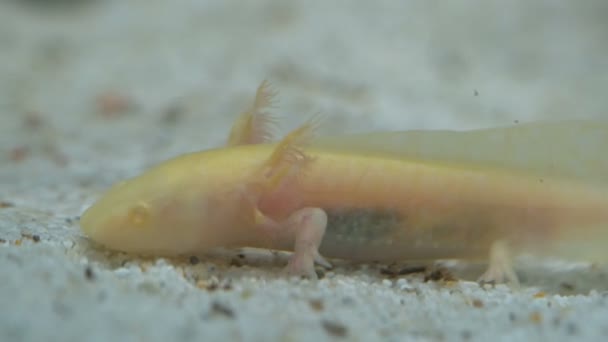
(131,73)
(93,91)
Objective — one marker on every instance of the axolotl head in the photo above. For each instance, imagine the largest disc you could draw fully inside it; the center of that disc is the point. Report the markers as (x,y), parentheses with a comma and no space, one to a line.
(164,211)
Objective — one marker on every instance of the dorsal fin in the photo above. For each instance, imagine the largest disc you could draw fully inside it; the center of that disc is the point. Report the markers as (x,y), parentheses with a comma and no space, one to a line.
(564,149)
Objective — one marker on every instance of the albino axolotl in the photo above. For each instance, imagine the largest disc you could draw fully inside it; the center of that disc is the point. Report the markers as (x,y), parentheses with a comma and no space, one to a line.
(385,196)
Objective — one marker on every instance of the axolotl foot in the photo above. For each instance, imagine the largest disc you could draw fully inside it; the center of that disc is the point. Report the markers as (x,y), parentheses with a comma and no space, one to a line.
(499,269)
(308,226)
(303,265)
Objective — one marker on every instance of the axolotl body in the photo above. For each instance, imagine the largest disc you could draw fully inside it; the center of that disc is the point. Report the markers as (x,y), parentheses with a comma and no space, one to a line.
(392,196)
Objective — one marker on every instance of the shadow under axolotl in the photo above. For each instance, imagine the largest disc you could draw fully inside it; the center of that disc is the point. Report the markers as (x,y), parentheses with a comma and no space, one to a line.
(550,276)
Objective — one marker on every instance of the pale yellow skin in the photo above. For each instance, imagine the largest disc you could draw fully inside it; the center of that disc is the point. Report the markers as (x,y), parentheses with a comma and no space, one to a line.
(382,202)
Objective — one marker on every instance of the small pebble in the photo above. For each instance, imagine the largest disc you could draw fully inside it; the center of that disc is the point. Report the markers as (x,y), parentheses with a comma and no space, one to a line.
(567,286)
(5,204)
(316,304)
(173,113)
(536,317)
(477,303)
(88,273)
(194,260)
(112,104)
(221,310)
(571,328)
(334,328)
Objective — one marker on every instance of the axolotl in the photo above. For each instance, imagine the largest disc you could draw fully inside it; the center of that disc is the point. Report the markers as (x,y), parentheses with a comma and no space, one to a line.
(485,194)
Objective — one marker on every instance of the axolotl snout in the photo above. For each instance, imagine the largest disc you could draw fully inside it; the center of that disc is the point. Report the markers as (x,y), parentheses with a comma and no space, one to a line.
(177,208)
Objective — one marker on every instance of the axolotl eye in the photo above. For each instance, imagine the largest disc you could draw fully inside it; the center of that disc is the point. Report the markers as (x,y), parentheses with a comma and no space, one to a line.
(139,215)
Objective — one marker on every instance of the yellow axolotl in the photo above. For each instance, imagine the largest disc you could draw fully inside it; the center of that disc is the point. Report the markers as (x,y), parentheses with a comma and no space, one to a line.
(386,196)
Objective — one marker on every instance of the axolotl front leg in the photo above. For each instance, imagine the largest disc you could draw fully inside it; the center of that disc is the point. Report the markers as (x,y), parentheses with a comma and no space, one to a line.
(305,226)
(308,226)
(499,269)
(270,192)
